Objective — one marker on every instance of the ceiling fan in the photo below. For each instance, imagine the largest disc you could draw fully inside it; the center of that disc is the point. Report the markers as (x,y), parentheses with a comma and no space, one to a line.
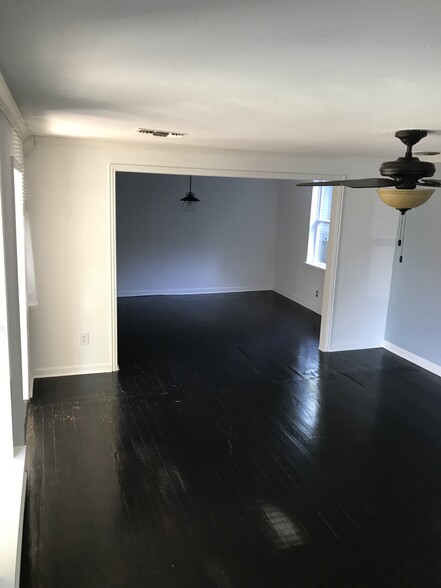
(404,185)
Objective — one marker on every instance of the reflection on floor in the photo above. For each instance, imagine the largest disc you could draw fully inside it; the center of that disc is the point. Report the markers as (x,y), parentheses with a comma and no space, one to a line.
(228,452)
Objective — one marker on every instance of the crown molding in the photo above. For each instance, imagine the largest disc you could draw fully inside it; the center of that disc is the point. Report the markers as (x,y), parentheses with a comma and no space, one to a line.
(10,109)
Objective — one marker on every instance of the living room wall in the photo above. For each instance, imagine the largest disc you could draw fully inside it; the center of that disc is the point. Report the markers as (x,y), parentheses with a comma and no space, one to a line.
(227,245)
(292,276)
(414,316)
(70,210)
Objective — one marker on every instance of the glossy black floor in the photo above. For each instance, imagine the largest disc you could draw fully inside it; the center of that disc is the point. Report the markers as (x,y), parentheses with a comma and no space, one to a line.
(229,453)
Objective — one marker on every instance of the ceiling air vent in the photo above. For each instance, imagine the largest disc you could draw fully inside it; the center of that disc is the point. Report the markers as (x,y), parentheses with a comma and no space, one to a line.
(157,133)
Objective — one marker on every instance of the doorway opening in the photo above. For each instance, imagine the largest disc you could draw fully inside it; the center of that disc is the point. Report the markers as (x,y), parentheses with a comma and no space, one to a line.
(194,260)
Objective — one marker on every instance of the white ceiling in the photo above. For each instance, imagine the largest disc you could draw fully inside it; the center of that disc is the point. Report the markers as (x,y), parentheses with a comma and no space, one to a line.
(303,76)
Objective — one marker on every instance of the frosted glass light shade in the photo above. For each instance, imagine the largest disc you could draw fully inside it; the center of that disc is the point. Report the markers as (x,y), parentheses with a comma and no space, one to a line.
(404,199)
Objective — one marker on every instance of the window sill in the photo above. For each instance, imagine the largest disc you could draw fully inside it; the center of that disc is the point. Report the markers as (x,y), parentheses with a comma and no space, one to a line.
(319,267)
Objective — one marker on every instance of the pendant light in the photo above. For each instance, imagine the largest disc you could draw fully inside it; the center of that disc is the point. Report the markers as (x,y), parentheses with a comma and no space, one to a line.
(190,201)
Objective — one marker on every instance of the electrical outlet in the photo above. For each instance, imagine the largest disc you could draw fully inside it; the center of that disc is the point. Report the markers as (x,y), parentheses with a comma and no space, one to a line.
(84,339)
(316,293)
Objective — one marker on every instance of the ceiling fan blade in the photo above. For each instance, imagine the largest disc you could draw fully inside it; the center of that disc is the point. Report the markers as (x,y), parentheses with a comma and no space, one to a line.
(363,183)
(370,183)
(330,183)
(430,183)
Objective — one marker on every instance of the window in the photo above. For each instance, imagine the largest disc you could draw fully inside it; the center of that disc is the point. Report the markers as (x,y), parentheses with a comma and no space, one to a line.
(319,223)
(21,268)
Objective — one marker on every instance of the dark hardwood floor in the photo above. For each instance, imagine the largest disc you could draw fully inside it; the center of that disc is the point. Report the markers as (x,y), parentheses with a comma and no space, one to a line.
(228,452)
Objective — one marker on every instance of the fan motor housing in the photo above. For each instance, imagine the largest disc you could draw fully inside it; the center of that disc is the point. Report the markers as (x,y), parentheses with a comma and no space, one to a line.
(408,169)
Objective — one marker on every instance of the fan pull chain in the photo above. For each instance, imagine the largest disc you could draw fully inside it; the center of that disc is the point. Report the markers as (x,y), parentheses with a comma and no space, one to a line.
(402,233)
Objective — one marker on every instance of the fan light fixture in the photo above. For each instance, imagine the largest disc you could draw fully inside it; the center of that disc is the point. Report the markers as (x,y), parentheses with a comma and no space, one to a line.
(404,200)
(190,201)
(406,182)
(409,176)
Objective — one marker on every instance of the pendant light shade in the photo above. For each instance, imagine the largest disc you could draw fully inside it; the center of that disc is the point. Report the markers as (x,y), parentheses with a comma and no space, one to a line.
(404,200)
(190,201)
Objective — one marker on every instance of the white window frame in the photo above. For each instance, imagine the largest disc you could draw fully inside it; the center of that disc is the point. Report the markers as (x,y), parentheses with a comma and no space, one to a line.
(314,223)
(21,269)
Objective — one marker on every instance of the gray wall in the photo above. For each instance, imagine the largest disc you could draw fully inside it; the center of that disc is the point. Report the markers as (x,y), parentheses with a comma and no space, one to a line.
(227,245)
(414,314)
(293,277)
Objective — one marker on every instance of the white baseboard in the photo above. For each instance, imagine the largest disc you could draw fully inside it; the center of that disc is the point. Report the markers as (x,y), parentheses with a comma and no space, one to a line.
(412,357)
(189,291)
(31,385)
(72,370)
(354,346)
(315,308)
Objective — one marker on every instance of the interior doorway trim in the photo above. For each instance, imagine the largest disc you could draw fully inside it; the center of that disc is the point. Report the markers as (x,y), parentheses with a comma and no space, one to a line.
(331,270)
(334,238)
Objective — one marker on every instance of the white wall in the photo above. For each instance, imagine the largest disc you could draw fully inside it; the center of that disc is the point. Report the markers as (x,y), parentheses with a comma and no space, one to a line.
(365,270)
(227,245)
(293,277)
(6,426)
(11,394)
(70,208)
(11,367)
(414,315)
